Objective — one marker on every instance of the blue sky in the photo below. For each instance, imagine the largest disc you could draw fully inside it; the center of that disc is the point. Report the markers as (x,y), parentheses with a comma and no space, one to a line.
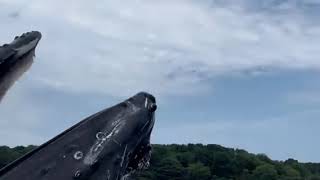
(240,73)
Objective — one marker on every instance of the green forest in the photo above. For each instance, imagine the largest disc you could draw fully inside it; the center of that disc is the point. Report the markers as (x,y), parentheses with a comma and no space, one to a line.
(206,162)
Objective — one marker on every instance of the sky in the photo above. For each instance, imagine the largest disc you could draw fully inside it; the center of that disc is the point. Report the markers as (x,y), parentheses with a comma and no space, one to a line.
(239,73)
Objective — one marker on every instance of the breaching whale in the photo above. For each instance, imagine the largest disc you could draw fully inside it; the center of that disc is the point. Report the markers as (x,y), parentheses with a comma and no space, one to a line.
(16,58)
(109,145)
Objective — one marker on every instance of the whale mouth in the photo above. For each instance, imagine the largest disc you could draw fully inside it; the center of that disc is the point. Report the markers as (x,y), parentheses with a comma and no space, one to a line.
(139,159)
(20,47)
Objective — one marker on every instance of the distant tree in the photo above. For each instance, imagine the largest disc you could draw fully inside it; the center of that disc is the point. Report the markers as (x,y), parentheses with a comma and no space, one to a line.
(264,158)
(314,177)
(185,158)
(291,161)
(170,168)
(291,172)
(223,164)
(7,155)
(197,171)
(265,172)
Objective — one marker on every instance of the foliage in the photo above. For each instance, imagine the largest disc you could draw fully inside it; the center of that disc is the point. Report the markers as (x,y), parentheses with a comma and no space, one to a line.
(206,162)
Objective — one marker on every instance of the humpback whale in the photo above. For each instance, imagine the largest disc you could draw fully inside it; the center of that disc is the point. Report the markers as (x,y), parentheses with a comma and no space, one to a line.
(16,58)
(109,145)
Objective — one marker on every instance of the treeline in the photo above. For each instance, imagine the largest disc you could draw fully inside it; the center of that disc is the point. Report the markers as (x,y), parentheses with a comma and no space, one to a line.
(8,154)
(206,162)
(214,162)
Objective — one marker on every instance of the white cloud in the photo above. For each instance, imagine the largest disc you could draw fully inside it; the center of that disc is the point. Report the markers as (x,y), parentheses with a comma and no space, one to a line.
(165,47)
